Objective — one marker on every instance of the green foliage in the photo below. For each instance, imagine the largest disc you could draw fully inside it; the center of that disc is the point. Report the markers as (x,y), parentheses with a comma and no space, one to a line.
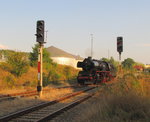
(51,77)
(6,53)
(67,72)
(46,56)
(10,81)
(115,63)
(131,83)
(128,63)
(16,63)
(33,56)
(105,59)
(52,73)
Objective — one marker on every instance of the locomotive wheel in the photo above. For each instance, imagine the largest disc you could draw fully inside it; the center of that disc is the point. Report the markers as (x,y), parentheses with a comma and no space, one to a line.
(81,82)
(95,81)
(102,78)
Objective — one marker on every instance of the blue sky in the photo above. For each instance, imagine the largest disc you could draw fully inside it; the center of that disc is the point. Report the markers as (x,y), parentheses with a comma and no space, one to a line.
(70,23)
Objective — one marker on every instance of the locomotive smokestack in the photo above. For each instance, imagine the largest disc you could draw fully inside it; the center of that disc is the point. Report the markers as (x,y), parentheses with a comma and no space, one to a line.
(80,64)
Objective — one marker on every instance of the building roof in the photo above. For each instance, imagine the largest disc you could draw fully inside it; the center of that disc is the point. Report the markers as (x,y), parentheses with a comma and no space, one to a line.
(56,52)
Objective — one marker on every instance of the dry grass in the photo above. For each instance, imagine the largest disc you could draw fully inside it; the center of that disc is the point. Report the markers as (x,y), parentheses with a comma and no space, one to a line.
(55,93)
(29,77)
(9,81)
(11,91)
(112,108)
(122,102)
(4,76)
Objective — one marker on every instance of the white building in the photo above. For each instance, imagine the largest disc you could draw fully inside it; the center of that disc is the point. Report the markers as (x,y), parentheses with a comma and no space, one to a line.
(61,57)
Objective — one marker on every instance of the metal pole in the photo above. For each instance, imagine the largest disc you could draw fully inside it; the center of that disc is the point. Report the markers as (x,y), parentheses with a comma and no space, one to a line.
(40,70)
(120,57)
(120,68)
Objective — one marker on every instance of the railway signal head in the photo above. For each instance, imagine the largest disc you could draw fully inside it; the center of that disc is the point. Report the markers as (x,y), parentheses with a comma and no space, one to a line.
(120,44)
(40,31)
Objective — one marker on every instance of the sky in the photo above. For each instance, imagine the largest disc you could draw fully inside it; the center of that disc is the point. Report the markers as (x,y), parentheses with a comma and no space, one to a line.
(70,23)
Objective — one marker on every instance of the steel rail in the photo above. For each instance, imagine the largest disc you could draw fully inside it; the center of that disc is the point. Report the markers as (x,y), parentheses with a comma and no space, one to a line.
(40,106)
(31,93)
(17,94)
(65,108)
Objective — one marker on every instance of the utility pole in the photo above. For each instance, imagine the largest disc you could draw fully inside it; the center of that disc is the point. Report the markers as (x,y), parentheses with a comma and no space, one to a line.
(91,45)
(40,39)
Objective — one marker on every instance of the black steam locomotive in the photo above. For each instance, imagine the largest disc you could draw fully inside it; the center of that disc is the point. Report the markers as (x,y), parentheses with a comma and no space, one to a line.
(95,71)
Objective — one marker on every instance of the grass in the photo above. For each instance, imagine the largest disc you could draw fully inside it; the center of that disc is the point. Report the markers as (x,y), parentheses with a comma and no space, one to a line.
(125,108)
(126,101)
(55,93)
(112,108)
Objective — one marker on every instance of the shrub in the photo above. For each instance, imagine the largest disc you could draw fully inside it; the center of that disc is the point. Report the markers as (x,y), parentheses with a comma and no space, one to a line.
(33,56)
(16,63)
(10,81)
(115,103)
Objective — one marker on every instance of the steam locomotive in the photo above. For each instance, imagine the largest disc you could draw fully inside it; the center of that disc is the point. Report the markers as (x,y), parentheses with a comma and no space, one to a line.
(95,71)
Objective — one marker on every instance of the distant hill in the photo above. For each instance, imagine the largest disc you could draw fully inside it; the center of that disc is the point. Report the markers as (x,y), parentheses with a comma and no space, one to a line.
(56,52)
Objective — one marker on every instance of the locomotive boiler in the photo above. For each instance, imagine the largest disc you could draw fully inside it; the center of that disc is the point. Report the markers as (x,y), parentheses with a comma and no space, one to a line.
(95,71)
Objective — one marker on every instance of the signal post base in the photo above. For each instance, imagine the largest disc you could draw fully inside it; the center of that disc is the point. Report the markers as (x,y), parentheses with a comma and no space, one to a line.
(39,90)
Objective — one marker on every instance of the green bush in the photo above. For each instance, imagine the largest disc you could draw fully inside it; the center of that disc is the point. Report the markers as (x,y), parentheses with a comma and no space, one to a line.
(10,81)
(117,103)
(33,56)
(16,63)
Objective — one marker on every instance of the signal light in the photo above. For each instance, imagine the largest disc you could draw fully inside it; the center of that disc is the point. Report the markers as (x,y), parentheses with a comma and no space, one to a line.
(120,44)
(40,31)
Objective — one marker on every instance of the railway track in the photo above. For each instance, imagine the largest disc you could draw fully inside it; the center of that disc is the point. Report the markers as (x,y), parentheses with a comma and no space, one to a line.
(49,110)
(33,93)
(29,93)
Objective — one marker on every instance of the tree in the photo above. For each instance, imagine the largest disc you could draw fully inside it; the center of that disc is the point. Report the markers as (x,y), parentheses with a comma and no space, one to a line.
(128,63)
(67,72)
(17,63)
(105,59)
(33,56)
(114,63)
